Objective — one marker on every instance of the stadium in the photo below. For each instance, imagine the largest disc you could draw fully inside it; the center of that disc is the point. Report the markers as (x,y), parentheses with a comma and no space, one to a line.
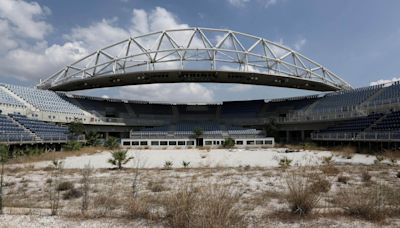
(342,115)
(199,114)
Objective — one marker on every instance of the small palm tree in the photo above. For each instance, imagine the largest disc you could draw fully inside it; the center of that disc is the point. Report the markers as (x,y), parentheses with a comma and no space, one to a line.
(119,158)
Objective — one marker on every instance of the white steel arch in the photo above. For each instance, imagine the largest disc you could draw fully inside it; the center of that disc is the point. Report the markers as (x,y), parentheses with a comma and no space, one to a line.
(203,49)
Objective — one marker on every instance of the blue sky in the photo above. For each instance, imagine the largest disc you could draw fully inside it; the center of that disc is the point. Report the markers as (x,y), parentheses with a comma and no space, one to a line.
(358,40)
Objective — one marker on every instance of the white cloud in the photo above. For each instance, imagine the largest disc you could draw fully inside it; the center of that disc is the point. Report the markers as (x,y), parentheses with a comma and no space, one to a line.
(384,81)
(25,18)
(34,59)
(299,44)
(238,3)
(268,3)
(155,20)
(242,3)
(182,92)
(239,88)
(98,35)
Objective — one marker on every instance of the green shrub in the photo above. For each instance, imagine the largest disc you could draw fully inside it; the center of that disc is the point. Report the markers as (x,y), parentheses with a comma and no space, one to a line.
(112,143)
(185,164)
(72,146)
(229,143)
(168,165)
(64,186)
(285,162)
(119,158)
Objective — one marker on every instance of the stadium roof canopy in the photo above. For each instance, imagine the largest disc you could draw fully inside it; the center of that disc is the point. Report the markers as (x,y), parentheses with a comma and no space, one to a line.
(194,55)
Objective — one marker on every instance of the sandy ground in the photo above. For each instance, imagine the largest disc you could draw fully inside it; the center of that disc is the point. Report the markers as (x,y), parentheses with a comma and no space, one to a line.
(213,158)
(253,173)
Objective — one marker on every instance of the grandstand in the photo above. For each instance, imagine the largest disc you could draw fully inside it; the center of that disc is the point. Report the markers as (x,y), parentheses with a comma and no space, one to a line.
(369,114)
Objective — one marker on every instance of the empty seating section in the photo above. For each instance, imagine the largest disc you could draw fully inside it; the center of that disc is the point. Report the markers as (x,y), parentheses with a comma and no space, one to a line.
(149,110)
(208,127)
(44,100)
(290,104)
(103,107)
(7,99)
(197,109)
(343,99)
(388,93)
(242,108)
(236,130)
(154,132)
(391,122)
(46,131)
(12,132)
(354,125)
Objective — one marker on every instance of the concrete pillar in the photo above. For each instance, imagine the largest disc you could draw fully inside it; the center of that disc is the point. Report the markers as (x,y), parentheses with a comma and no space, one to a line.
(287,136)
(302,136)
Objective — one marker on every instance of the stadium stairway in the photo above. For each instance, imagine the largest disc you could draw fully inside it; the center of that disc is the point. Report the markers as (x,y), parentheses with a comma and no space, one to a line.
(375,123)
(372,97)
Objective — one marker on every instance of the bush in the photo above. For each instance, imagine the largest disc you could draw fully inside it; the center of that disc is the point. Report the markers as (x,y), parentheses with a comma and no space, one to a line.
(207,206)
(72,146)
(119,158)
(137,208)
(64,186)
(229,143)
(72,194)
(185,164)
(112,143)
(327,160)
(321,185)
(156,186)
(301,196)
(343,179)
(330,170)
(365,176)
(284,162)
(362,202)
(168,165)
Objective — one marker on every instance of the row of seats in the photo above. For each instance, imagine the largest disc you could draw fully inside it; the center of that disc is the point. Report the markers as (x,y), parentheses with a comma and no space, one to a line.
(44,100)
(11,131)
(354,125)
(345,98)
(7,99)
(17,128)
(46,131)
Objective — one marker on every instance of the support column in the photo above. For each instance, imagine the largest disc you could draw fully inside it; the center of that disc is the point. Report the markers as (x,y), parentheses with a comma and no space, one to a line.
(287,136)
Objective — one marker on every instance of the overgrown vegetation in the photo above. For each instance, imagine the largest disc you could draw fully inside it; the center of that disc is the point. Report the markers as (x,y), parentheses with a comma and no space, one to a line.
(168,165)
(92,139)
(229,143)
(363,202)
(76,128)
(86,174)
(119,158)
(112,143)
(72,146)
(285,162)
(301,196)
(3,160)
(204,206)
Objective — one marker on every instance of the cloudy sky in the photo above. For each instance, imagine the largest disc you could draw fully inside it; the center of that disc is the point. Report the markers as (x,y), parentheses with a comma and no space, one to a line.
(358,40)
